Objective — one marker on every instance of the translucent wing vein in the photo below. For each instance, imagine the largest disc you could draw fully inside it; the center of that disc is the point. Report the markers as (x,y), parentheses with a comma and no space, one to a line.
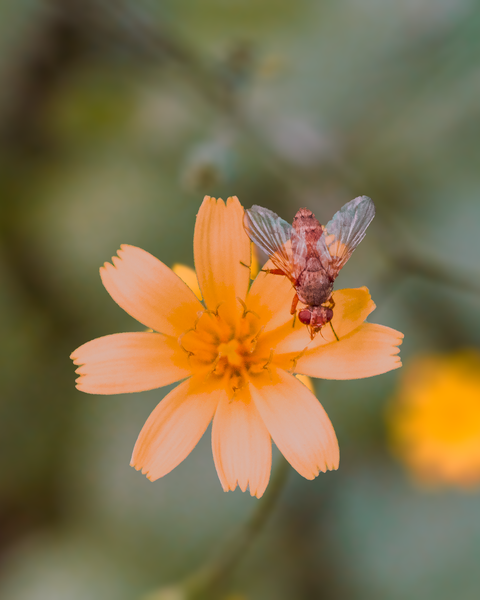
(272,234)
(347,229)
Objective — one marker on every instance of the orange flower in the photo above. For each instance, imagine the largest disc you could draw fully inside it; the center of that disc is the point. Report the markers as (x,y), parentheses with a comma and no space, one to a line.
(434,422)
(236,355)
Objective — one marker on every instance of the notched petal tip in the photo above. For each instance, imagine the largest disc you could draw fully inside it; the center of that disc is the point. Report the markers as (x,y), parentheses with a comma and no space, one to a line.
(332,467)
(78,355)
(129,362)
(135,464)
(254,492)
(242,486)
(149,291)
(79,382)
(230,200)
(174,427)
(241,445)
(212,201)
(233,200)
(143,470)
(301,428)
(396,349)
(367,351)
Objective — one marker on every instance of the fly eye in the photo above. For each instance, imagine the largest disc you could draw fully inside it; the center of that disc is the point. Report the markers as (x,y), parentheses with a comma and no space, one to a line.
(305,316)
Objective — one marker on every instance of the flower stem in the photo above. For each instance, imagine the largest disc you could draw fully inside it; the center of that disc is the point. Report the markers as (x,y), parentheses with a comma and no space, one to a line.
(209,579)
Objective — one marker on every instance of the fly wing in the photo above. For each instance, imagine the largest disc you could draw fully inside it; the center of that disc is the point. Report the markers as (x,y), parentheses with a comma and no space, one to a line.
(271,234)
(299,253)
(345,231)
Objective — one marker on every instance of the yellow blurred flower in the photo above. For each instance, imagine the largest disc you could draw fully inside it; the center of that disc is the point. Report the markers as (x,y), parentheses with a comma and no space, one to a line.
(236,356)
(188,276)
(434,421)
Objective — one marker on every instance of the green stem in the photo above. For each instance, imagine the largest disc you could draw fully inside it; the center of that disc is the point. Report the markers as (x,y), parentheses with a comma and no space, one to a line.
(209,579)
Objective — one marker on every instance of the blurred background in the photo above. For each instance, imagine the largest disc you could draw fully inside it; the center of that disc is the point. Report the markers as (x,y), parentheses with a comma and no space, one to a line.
(116,118)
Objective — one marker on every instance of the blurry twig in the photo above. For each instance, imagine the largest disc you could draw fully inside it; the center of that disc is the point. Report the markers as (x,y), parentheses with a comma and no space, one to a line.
(408,260)
(216,88)
(211,577)
(215,85)
(427,269)
(209,580)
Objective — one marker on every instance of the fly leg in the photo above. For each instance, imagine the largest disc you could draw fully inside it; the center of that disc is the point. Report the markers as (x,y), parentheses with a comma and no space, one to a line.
(293,310)
(334,332)
(331,305)
(274,272)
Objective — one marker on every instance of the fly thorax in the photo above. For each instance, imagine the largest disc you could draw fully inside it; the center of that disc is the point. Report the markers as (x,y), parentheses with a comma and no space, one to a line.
(314,264)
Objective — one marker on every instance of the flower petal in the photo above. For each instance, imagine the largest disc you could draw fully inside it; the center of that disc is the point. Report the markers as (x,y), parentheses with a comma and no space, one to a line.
(188,275)
(297,422)
(306,381)
(254,265)
(369,350)
(174,427)
(150,291)
(241,445)
(222,252)
(129,362)
(271,298)
(352,307)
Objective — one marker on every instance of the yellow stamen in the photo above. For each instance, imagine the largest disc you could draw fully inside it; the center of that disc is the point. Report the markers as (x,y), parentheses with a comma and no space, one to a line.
(223,344)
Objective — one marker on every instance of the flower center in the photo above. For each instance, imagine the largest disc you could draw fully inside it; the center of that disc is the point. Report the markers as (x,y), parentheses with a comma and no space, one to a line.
(232,351)
(224,344)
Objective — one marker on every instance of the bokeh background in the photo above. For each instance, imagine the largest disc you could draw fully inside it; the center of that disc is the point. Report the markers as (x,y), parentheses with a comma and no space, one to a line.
(116,118)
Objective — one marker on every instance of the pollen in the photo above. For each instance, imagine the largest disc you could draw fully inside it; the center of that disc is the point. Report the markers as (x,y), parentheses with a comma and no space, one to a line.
(224,344)
(232,351)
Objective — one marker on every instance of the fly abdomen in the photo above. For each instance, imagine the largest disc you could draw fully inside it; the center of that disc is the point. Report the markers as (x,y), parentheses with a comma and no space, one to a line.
(314,288)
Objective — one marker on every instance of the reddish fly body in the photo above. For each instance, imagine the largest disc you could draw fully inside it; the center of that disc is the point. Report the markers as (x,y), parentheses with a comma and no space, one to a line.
(309,254)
